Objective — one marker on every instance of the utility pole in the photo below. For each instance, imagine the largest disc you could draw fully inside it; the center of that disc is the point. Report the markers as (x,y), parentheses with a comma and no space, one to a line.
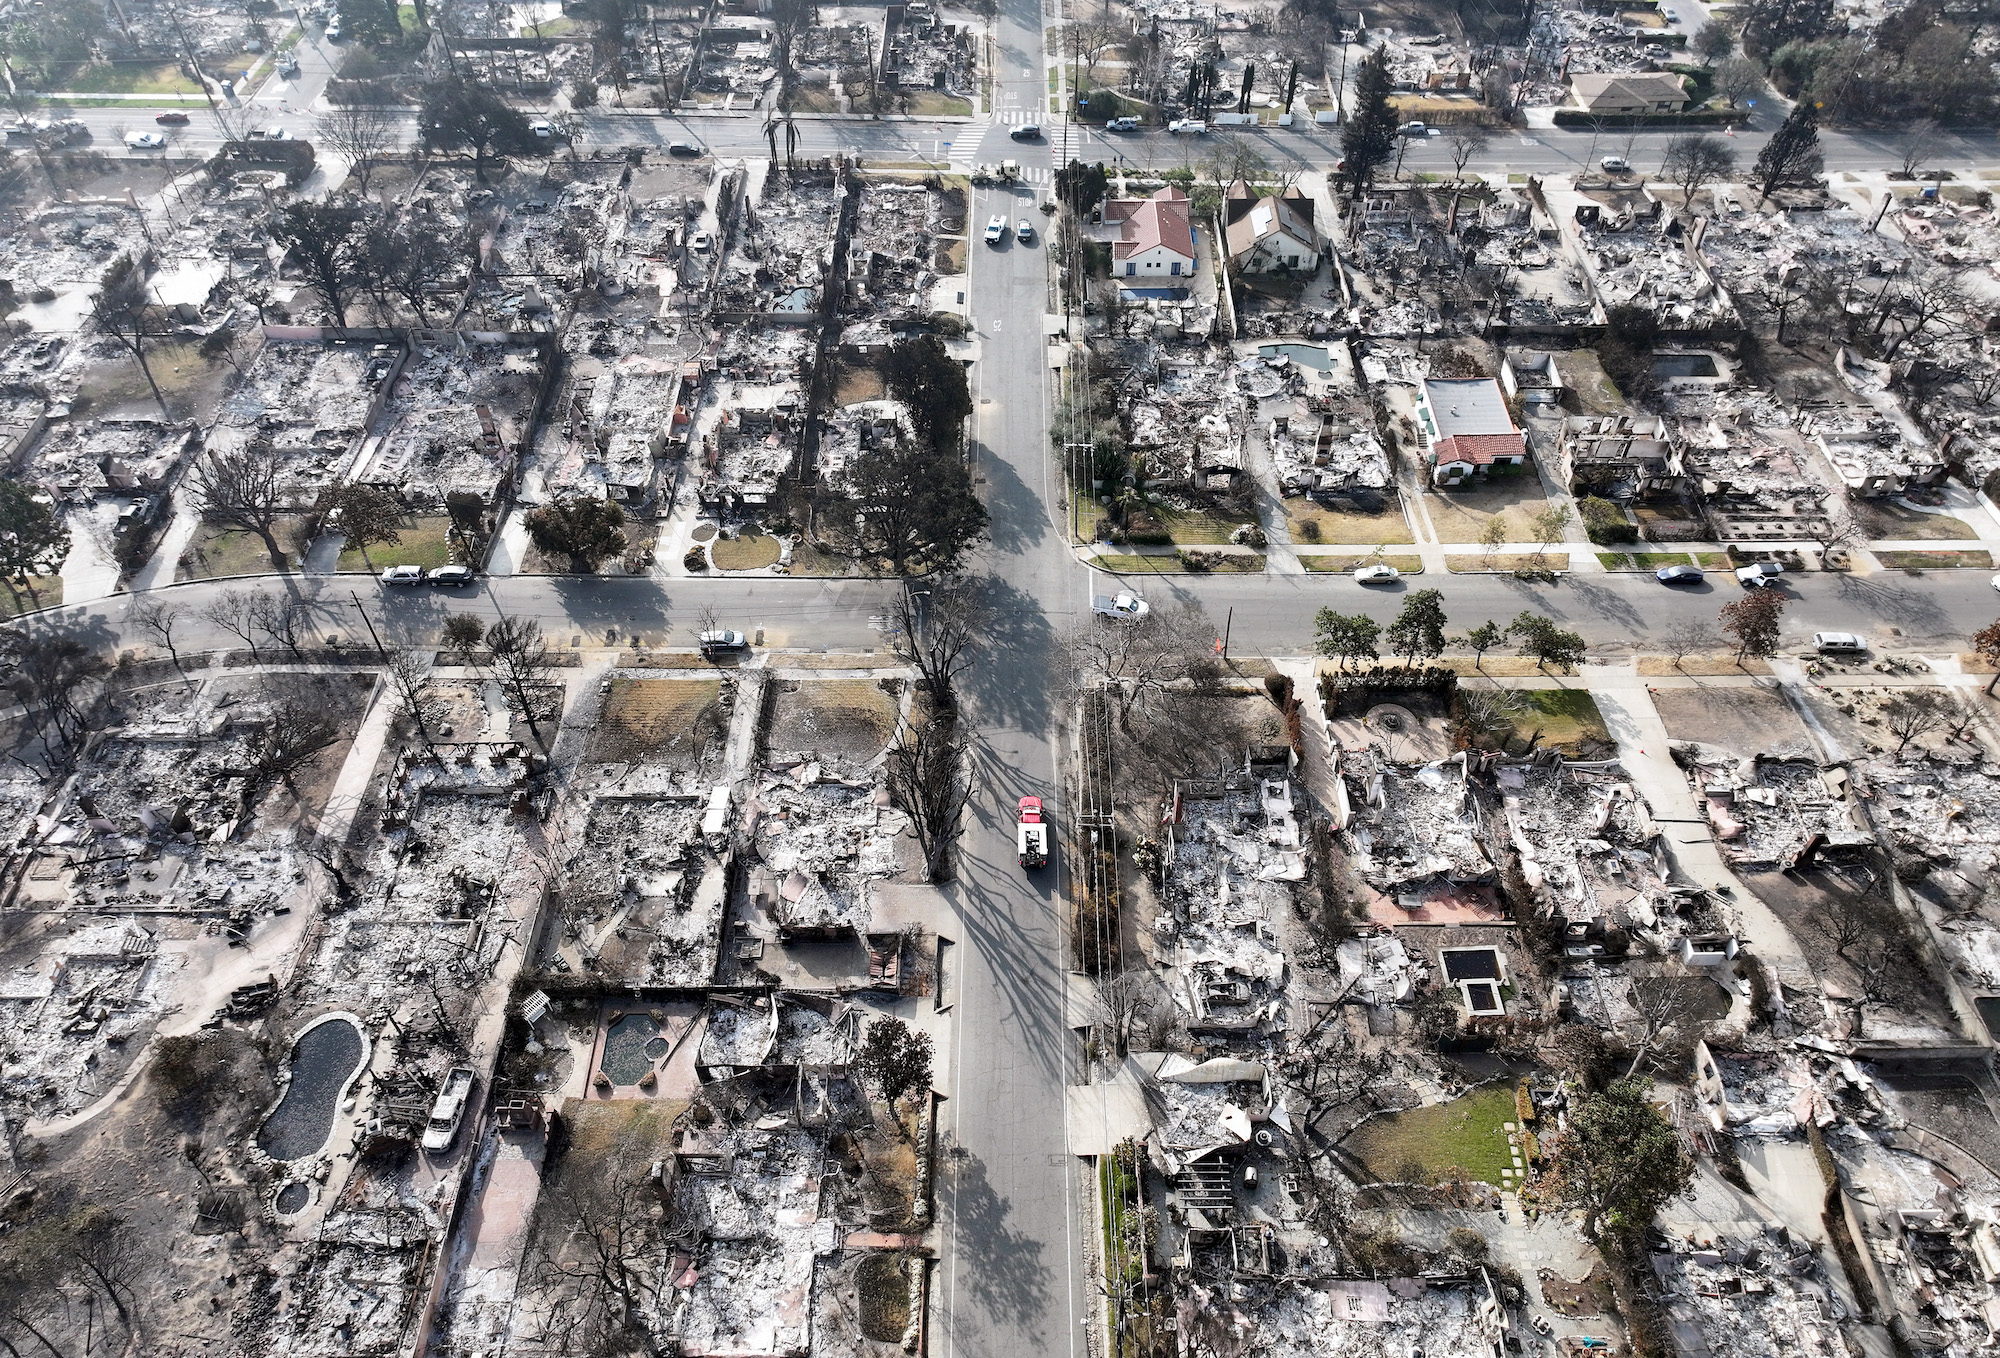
(369,623)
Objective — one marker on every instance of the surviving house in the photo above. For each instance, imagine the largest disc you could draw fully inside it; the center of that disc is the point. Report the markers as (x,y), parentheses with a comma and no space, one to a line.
(1271,233)
(1467,430)
(1155,237)
(1628,94)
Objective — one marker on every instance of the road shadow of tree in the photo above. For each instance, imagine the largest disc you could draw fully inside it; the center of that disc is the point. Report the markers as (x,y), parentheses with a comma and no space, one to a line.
(1898,604)
(1018,521)
(1003,1269)
(1018,952)
(1016,692)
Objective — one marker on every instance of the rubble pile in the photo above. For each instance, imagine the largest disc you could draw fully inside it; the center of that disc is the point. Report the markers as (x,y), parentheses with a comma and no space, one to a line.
(645,894)
(780,247)
(1353,1317)
(1761,1294)
(1234,849)
(311,402)
(77,462)
(890,262)
(819,842)
(1413,824)
(1183,418)
(1586,840)
(1766,816)
(456,419)
(1646,268)
(751,415)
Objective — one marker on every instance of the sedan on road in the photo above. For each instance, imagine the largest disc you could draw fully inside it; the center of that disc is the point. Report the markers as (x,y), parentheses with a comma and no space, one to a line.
(1121,125)
(145,141)
(996,229)
(1839,643)
(1025,229)
(1678,575)
(1379,574)
(451,575)
(171,118)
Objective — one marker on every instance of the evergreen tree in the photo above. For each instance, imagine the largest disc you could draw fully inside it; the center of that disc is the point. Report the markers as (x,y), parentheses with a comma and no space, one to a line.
(1793,151)
(1370,136)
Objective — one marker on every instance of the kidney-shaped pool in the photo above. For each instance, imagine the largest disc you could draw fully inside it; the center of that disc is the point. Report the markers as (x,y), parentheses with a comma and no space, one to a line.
(326,1057)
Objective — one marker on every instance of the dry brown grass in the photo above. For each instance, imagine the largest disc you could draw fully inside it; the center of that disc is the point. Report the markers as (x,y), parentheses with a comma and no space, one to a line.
(746,552)
(643,716)
(1473,564)
(1700,666)
(1340,529)
(852,718)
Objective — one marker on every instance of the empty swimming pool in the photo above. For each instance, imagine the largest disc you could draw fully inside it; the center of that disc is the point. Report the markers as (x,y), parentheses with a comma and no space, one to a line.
(628,1048)
(1685,365)
(325,1059)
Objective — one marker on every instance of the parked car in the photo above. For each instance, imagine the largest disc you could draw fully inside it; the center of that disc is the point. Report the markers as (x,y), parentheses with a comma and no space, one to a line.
(683,148)
(1192,127)
(403,575)
(996,229)
(700,240)
(1025,229)
(171,118)
(1614,165)
(333,29)
(267,134)
(145,141)
(1759,574)
(288,67)
(1379,574)
(1413,129)
(1996,582)
(1121,125)
(44,353)
(1839,643)
(714,643)
(1678,575)
(1026,132)
(543,128)
(448,1111)
(1120,605)
(451,575)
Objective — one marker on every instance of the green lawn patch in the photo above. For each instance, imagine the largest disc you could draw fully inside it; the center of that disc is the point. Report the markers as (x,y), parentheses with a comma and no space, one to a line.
(127,77)
(1566,717)
(932,104)
(217,552)
(1199,527)
(1712,561)
(39,591)
(1465,1138)
(1935,561)
(1644,561)
(1342,565)
(425,541)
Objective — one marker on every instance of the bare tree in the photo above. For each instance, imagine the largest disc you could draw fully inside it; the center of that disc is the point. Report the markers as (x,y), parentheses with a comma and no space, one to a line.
(410,671)
(1921,139)
(1091,39)
(362,133)
(1668,1005)
(230,610)
(240,489)
(523,665)
(281,619)
(1694,159)
(598,1257)
(1689,637)
(1737,79)
(1129,1006)
(930,782)
(938,621)
(120,308)
(294,737)
(1464,141)
(160,621)
(1918,712)
(1138,659)
(54,676)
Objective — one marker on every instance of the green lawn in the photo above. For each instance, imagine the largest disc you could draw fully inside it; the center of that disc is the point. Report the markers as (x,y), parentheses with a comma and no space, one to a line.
(1199,528)
(1437,1143)
(218,552)
(1935,561)
(1644,561)
(935,104)
(1342,565)
(425,541)
(1565,716)
(38,591)
(128,77)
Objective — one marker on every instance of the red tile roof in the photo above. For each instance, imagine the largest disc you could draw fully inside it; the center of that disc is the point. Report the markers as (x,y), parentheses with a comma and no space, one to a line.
(1161,220)
(1480,449)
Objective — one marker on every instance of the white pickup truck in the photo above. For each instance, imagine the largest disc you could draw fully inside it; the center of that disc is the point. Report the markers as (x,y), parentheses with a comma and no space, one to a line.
(1120,605)
(448,1111)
